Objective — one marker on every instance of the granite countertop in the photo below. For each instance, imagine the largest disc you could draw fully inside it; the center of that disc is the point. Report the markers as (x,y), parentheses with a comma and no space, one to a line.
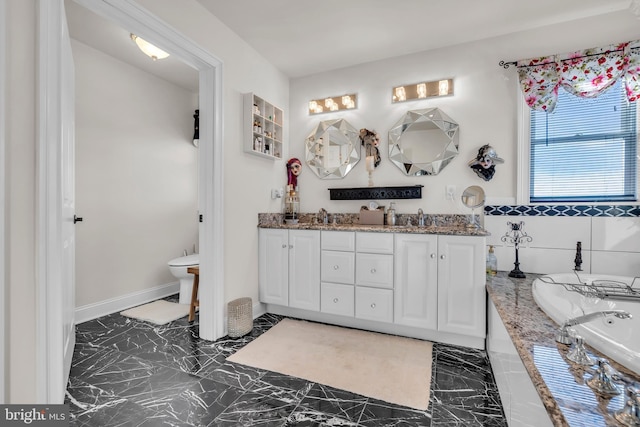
(561,384)
(446,224)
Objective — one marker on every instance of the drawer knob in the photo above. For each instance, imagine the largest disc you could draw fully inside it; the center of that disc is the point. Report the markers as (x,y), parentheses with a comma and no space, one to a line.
(373,271)
(335,300)
(335,267)
(373,305)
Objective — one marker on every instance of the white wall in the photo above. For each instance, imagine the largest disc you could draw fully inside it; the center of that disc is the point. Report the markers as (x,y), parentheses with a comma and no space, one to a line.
(136,177)
(248,178)
(484,105)
(21,186)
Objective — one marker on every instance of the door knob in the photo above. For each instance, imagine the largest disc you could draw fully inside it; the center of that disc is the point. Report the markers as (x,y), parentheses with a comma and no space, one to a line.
(77,219)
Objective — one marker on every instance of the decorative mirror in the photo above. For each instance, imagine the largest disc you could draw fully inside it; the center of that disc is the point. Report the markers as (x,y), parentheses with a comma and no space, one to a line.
(423,142)
(332,149)
(473,197)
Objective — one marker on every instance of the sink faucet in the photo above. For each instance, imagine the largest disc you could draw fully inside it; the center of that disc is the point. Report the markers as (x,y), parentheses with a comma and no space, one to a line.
(324,216)
(564,336)
(420,218)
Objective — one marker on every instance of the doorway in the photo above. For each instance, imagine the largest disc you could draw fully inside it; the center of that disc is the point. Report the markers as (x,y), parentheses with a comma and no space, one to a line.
(52,379)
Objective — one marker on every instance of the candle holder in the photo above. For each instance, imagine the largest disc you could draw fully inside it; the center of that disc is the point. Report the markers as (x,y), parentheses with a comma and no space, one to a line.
(516,236)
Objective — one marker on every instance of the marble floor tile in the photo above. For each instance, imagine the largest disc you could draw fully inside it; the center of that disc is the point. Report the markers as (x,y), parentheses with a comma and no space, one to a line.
(130,373)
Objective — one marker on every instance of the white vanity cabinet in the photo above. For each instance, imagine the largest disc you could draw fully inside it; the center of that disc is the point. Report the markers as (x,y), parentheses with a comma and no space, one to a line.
(427,286)
(289,268)
(439,283)
(461,285)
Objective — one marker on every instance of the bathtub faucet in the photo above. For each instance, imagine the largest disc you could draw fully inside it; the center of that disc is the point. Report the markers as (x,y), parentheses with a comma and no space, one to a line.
(564,337)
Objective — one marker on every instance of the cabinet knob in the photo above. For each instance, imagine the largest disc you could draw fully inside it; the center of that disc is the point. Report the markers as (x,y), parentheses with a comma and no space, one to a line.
(442,257)
(284,246)
(373,271)
(335,300)
(290,246)
(373,305)
(335,267)
(433,256)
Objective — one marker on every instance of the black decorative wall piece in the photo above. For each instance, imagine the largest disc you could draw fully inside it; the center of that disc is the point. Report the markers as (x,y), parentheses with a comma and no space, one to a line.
(376,193)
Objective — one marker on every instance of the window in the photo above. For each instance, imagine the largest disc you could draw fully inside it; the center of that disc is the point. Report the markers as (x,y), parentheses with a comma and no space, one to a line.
(585,151)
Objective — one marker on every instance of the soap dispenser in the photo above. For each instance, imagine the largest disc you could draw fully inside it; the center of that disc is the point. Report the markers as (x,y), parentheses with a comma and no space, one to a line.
(391,214)
(492,262)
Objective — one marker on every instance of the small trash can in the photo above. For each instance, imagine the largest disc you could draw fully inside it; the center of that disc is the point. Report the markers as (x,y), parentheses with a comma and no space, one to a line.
(239,317)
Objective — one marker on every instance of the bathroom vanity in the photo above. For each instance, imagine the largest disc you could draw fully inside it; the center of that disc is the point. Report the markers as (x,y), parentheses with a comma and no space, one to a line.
(422,282)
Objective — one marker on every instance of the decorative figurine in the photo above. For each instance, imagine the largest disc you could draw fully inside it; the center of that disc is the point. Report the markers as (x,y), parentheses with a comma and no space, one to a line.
(516,236)
(485,162)
(370,140)
(292,199)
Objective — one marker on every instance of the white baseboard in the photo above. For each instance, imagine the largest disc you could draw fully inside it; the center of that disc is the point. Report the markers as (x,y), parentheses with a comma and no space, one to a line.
(117,304)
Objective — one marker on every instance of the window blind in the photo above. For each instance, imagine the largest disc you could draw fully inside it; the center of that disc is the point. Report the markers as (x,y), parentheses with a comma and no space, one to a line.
(585,151)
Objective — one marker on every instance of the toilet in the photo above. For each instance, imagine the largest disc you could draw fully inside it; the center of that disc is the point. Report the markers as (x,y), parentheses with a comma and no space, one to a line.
(178,267)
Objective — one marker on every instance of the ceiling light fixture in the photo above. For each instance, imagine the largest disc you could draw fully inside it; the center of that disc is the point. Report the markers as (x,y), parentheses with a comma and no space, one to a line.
(150,50)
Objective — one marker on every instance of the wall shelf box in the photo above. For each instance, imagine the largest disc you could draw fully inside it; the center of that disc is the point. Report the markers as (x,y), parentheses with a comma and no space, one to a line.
(263,127)
(376,193)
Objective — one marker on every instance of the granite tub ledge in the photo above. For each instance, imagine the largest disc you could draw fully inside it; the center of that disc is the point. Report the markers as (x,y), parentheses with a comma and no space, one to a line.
(561,384)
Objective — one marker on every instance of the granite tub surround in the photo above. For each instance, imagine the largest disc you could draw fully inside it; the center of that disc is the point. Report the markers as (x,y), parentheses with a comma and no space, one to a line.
(560,383)
(453,224)
(128,372)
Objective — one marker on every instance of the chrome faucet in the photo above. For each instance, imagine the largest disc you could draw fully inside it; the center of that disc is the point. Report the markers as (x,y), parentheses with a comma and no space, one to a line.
(420,218)
(324,216)
(564,337)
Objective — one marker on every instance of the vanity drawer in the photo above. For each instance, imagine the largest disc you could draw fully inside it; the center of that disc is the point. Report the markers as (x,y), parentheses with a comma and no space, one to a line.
(337,267)
(338,240)
(374,270)
(374,304)
(337,299)
(377,243)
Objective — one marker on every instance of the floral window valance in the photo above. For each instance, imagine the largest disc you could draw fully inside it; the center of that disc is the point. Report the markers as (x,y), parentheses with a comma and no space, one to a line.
(586,73)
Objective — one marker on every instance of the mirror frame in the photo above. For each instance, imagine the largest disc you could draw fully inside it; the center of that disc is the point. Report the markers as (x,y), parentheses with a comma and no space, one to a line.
(443,122)
(323,132)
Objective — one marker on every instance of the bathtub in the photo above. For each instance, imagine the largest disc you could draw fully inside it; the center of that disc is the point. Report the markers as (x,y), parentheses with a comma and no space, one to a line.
(618,339)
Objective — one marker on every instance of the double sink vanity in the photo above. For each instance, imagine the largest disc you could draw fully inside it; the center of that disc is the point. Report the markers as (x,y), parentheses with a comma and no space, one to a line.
(424,282)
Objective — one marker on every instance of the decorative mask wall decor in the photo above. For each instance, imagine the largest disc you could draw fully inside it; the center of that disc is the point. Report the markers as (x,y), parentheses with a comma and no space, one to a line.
(484,164)
(370,140)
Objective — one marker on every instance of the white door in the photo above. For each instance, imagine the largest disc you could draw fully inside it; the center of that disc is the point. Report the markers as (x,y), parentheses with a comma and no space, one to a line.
(461,285)
(416,280)
(68,200)
(304,269)
(56,235)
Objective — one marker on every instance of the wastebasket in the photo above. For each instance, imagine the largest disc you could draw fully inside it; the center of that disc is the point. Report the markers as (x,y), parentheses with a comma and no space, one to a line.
(239,317)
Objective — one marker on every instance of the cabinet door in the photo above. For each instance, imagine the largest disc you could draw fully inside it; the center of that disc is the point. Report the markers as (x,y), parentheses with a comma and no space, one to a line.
(461,285)
(304,269)
(416,280)
(273,261)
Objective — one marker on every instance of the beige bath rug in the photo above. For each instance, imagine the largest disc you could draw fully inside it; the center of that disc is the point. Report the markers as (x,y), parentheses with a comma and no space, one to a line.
(159,312)
(386,367)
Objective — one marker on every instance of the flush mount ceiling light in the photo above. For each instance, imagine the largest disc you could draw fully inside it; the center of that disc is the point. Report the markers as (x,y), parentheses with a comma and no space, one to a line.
(422,90)
(333,103)
(150,50)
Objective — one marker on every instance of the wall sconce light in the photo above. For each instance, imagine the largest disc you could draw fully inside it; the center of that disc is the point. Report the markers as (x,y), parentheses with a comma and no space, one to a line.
(422,90)
(333,103)
(150,50)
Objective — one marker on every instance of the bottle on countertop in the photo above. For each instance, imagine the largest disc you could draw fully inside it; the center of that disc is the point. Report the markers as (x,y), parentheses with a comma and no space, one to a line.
(492,262)
(391,214)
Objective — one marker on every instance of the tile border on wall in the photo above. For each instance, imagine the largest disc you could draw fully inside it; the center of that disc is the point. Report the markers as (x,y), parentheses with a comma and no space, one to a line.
(563,210)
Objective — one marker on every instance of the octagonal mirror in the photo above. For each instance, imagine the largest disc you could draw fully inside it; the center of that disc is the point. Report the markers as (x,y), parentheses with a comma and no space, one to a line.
(332,149)
(423,142)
